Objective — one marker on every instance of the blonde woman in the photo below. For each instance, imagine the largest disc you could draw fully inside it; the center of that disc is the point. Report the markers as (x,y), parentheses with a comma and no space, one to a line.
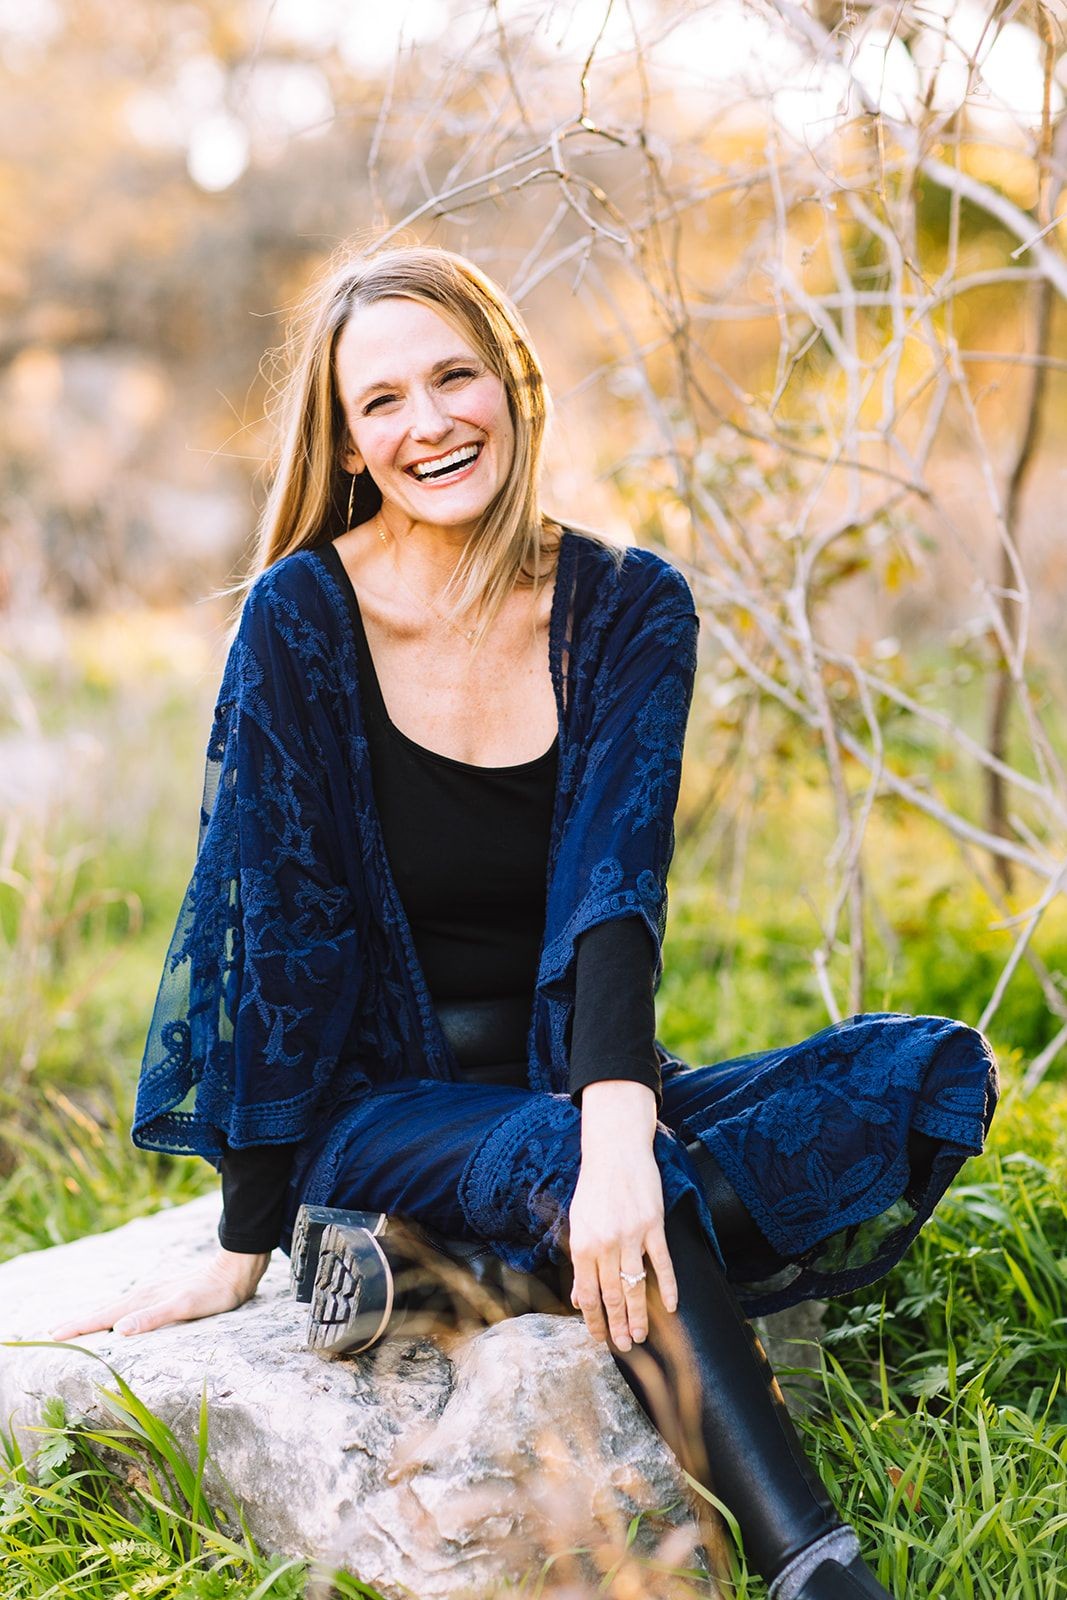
(412,980)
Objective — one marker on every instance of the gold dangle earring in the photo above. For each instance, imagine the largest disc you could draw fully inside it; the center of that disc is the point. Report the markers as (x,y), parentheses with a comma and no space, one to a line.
(351,500)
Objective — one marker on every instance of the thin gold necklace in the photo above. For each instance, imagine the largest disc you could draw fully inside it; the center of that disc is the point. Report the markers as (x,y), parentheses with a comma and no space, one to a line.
(467,634)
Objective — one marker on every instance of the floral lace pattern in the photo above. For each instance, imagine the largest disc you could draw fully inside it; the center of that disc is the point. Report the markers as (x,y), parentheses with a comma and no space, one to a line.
(814,1139)
(499,1165)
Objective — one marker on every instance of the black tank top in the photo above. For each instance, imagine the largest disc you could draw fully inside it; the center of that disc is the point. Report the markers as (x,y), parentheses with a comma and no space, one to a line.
(468,848)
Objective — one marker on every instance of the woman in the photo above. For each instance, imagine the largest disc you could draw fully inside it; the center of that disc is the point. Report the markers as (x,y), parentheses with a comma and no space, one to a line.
(414,971)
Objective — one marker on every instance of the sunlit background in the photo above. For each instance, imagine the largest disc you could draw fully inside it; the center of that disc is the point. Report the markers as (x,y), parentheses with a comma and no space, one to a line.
(796,270)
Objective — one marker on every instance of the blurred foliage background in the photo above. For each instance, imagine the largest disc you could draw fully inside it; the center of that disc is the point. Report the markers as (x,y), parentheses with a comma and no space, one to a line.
(797,275)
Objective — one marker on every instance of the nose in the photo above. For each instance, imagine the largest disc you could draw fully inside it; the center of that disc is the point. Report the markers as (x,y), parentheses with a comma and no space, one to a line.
(430,420)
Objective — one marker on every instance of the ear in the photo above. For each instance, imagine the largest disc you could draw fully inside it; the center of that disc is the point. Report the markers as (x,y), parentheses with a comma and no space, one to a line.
(351,460)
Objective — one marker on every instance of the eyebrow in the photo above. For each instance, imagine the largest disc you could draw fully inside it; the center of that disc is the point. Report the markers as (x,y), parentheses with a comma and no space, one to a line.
(394,383)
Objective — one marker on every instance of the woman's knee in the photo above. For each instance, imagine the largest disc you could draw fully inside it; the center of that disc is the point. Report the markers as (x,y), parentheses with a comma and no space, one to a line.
(518,1182)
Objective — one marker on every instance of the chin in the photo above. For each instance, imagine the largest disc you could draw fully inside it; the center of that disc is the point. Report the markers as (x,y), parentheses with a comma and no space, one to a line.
(455,516)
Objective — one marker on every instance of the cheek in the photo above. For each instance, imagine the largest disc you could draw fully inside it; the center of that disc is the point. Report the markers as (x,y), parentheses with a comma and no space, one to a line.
(376,441)
(489,407)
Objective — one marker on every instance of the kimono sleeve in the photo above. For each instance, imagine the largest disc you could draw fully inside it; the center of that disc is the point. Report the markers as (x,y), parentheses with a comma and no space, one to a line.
(261,980)
(617,838)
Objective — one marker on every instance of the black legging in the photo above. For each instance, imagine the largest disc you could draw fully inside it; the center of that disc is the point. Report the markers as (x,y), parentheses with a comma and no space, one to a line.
(713,1396)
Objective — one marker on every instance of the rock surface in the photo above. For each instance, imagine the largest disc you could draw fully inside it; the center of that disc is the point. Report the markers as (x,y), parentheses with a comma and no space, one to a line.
(432,1467)
(427,1467)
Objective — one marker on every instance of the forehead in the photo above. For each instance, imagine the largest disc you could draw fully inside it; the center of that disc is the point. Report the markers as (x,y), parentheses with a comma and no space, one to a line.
(391,339)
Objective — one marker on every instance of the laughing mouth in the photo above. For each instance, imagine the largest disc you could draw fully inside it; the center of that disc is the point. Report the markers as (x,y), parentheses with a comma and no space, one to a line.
(445,466)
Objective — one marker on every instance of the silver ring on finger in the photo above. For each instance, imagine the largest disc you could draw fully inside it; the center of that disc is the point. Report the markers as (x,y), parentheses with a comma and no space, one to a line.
(632,1279)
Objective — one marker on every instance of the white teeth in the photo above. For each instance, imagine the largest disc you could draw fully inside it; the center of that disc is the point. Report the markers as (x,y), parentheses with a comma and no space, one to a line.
(461,457)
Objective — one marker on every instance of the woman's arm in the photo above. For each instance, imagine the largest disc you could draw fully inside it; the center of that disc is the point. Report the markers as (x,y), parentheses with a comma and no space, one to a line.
(617,1213)
(254,1181)
(614,1030)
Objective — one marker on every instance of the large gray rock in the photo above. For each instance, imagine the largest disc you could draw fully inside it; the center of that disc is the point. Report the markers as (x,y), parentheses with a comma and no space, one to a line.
(433,1467)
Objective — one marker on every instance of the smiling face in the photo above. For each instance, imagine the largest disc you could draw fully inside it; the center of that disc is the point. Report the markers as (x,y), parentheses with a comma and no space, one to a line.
(428,419)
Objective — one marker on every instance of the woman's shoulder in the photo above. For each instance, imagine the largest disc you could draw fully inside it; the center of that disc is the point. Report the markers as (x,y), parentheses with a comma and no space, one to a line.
(298,586)
(631,573)
(292,629)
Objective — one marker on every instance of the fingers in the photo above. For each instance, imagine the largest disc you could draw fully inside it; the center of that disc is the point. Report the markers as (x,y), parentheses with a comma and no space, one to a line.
(159,1315)
(610,1234)
(663,1267)
(150,1306)
(206,1296)
(99,1318)
(585,1295)
(614,1298)
(614,1309)
(636,1302)
(91,1322)
(114,1317)
(611,1307)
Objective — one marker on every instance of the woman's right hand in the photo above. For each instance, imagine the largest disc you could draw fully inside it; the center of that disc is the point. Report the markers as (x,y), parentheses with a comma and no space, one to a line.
(616,1215)
(223,1284)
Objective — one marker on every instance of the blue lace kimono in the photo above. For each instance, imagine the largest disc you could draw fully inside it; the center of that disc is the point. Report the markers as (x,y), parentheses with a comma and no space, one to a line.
(292,1007)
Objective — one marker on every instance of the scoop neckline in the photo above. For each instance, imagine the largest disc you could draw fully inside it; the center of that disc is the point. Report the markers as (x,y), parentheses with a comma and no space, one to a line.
(352,598)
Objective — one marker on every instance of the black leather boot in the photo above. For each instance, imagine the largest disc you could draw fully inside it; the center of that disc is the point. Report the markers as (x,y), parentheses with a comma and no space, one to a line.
(704,1379)
(365,1273)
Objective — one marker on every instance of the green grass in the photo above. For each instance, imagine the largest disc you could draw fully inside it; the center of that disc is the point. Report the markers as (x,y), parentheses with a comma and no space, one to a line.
(944,1422)
(939,1420)
(119,1510)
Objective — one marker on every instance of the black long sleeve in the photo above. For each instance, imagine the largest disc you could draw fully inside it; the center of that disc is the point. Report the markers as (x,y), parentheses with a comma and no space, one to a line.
(254,1181)
(614,1025)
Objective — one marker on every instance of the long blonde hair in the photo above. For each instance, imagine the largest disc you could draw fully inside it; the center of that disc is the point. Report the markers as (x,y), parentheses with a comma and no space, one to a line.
(515,543)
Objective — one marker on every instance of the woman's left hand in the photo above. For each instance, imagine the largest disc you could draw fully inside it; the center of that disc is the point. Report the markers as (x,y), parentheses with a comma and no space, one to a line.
(616,1215)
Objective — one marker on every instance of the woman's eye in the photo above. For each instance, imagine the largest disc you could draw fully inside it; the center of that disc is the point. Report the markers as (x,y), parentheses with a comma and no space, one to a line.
(378,401)
(459,372)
